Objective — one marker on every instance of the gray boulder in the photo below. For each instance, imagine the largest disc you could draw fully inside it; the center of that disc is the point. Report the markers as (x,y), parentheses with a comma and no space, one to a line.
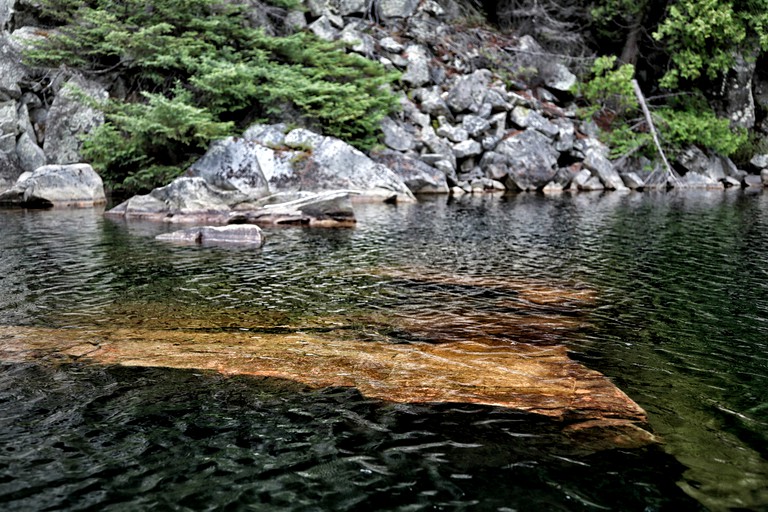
(469,91)
(450,132)
(759,161)
(475,125)
(467,149)
(431,102)
(6,11)
(182,199)
(56,185)
(395,135)
(632,180)
(233,164)
(9,127)
(526,118)
(11,70)
(70,118)
(331,164)
(10,170)
(592,184)
(417,71)
(559,78)
(359,42)
(235,234)
(700,170)
(324,29)
(420,177)
(389,44)
(596,160)
(752,181)
(764,177)
(530,159)
(580,179)
(390,9)
(566,135)
(738,103)
(30,155)
(347,7)
(323,209)
(270,135)
(295,21)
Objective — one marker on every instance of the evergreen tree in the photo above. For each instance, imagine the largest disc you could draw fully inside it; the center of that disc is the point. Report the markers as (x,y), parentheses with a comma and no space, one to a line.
(195,70)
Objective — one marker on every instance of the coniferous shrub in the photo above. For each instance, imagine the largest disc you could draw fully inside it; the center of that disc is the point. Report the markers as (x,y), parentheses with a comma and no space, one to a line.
(684,120)
(194,70)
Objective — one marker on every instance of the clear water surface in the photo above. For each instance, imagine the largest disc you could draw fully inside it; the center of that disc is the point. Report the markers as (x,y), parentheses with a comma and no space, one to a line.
(679,321)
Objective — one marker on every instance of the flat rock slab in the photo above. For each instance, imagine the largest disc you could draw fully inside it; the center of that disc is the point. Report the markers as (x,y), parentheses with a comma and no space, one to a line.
(539,380)
(235,234)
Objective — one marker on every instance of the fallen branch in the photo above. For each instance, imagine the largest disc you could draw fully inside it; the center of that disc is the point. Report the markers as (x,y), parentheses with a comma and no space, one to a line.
(647,113)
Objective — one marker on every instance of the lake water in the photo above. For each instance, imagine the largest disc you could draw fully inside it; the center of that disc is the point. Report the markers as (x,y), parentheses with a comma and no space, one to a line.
(677,318)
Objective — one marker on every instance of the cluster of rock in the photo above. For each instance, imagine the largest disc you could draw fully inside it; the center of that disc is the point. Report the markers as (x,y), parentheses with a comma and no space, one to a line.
(462,128)
(42,113)
(271,175)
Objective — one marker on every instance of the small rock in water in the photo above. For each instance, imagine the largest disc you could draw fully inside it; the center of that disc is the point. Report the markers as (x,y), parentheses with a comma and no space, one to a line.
(239,234)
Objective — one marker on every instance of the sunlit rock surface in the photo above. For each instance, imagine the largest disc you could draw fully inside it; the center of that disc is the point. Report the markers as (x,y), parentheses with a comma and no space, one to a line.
(509,353)
(541,380)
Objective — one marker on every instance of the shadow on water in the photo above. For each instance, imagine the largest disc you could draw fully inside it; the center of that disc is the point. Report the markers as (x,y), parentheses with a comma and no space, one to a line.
(130,438)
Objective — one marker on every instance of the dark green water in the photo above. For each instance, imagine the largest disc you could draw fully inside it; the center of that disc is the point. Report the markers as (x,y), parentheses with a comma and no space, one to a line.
(679,322)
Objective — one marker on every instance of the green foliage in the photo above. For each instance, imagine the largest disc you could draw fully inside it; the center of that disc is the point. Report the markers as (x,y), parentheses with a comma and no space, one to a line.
(687,120)
(610,89)
(144,145)
(700,127)
(204,67)
(753,144)
(624,140)
(285,4)
(701,36)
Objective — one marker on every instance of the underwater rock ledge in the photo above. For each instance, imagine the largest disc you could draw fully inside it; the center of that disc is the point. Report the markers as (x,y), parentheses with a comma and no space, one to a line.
(539,380)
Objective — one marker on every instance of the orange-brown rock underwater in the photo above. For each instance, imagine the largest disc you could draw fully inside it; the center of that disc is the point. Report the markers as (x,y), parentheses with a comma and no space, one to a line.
(540,380)
(509,355)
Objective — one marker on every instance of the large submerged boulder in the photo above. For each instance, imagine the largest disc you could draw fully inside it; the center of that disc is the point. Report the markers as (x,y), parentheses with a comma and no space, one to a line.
(56,185)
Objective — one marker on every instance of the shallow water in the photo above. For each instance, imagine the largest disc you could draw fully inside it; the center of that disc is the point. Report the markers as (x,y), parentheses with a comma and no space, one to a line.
(665,294)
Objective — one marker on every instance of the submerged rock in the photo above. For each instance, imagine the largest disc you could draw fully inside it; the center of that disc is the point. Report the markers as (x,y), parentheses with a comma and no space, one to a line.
(56,185)
(539,380)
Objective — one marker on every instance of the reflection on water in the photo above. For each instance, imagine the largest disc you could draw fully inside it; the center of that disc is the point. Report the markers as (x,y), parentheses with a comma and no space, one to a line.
(671,302)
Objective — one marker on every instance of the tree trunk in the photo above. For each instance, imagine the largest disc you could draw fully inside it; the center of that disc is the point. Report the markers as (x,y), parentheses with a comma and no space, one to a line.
(631,49)
(671,176)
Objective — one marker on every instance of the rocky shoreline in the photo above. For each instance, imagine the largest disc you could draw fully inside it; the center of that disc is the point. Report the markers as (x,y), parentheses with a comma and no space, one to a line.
(462,128)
